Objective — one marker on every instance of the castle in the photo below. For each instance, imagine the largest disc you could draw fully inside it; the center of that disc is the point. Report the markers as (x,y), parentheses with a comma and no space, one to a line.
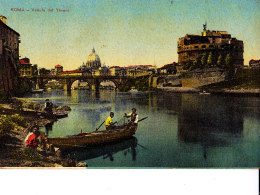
(193,47)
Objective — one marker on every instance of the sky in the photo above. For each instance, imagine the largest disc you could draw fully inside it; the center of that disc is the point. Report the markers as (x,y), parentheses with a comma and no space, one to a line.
(125,32)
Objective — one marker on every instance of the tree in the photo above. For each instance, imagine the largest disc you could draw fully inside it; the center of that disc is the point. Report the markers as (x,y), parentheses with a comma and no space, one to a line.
(220,61)
(196,63)
(228,61)
(210,59)
(204,60)
(44,71)
(230,66)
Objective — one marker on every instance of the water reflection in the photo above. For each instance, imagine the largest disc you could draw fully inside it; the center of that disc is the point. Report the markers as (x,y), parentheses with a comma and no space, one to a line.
(182,130)
(207,124)
(106,151)
(48,127)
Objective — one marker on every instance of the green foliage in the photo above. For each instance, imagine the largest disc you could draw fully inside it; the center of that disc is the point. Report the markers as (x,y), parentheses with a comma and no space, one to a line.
(12,122)
(141,84)
(19,120)
(188,65)
(28,154)
(211,59)
(204,60)
(229,61)
(220,61)
(44,71)
(6,124)
(197,63)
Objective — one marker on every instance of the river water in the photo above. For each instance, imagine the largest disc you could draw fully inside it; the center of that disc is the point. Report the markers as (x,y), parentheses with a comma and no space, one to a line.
(182,130)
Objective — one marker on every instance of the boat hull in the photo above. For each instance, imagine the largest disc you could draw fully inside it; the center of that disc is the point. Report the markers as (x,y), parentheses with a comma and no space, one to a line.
(93,138)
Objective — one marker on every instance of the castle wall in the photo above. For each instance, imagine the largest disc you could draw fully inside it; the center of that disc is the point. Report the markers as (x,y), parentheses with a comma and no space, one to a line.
(218,43)
(203,77)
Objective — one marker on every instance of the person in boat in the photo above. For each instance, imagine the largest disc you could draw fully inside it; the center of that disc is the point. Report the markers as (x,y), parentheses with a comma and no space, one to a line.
(48,107)
(134,117)
(109,121)
(31,140)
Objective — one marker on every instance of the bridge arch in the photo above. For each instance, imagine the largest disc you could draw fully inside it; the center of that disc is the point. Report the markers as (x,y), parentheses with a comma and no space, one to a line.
(116,82)
(89,84)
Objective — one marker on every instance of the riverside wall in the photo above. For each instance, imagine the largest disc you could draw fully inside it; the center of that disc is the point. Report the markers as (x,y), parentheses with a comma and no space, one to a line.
(199,78)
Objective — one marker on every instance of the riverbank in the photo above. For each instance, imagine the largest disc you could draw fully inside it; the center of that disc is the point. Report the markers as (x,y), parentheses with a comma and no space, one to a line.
(16,119)
(213,91)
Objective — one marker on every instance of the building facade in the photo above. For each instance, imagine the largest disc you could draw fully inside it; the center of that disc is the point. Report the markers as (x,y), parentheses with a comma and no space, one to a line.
(9,56)
(254,63)
(26,68)
(140,70)
(58,69)
(193,47)
(93,61)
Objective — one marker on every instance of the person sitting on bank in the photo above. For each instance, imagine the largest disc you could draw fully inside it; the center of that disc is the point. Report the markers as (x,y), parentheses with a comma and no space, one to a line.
(48,106)
(109,121)
(134,117)
(32,138)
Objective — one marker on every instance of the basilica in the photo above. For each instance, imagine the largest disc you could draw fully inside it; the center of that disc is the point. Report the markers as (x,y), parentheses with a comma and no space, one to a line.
(93,65)
(93,61)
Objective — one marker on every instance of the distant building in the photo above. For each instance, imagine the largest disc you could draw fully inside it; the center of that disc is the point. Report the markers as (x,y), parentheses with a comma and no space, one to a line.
(93,61)
(169,68)
(140,70)
(192,47)
(9,56)
(254,63)
(116,71)
(26,68)
(58,69)
(72,73)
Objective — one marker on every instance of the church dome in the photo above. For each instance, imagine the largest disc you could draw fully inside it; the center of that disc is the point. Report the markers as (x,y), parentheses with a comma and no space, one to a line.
(93,60)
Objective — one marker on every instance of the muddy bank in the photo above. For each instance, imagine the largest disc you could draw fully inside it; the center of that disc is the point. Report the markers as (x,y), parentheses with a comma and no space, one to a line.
(16,119)
(179,89)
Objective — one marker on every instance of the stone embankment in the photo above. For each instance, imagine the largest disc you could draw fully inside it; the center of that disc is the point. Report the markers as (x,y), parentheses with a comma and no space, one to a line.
(215,91)
(179,89)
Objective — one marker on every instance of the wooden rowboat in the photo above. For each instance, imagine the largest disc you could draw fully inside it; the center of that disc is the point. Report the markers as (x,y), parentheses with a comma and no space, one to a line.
(93,138)
(105,151)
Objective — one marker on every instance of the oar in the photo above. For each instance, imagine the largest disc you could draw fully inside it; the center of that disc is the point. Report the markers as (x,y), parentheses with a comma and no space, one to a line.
(100,126)
(114,123)
(142,146)
(142,119)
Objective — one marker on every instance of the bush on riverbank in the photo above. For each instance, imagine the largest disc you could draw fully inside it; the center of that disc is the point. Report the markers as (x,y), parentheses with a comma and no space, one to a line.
(12,122)
(141,84)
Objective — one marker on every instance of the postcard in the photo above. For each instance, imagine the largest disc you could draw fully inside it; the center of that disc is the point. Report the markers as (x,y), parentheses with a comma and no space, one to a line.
(110,84)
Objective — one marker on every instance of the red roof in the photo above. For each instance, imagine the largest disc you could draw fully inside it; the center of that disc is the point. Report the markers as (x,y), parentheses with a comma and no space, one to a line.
(23,62)
(58,66)
(252,60)
(71,71)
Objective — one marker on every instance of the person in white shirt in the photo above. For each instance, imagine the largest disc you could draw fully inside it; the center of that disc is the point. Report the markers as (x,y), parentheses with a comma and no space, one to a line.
(134,117)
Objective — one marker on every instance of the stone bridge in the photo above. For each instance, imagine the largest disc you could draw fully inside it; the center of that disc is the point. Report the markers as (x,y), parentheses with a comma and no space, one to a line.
(93,81)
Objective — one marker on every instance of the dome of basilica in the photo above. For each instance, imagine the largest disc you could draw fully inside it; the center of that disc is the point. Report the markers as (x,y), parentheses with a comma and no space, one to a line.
(93,60)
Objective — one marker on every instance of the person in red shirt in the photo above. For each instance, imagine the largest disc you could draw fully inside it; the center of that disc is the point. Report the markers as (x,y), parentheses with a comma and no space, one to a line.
(32,140)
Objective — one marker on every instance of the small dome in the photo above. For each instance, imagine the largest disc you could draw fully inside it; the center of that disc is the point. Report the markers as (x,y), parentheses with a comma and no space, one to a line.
(93,60)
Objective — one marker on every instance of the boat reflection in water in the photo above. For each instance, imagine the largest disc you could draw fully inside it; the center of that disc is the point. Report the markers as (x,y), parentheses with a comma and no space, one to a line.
(107,150)
(48,127)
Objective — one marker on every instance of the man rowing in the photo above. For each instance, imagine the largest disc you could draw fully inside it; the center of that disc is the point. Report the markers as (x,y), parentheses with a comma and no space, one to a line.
(134,117)
(48,107)
(109,121)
